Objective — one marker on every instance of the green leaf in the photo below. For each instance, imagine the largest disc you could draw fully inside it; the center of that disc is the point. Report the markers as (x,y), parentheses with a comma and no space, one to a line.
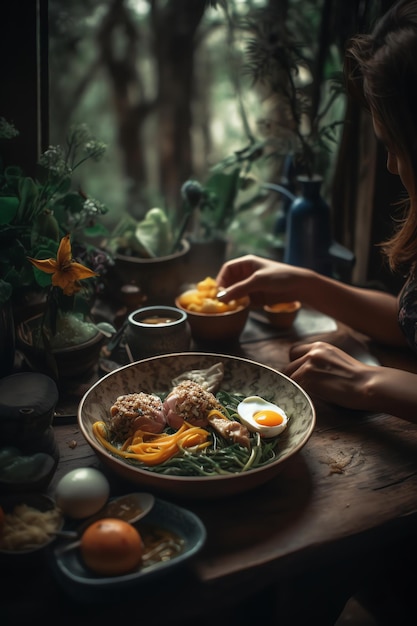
(153,233)
(71,202)
(48,249)
(42,279)
(8,209)
(5,291)
(28,192)
(96,230)
(106,329)
(224,186)
(45,225)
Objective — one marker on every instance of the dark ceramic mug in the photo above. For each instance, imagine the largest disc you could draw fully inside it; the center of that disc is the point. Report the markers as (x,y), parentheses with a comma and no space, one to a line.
(156,330)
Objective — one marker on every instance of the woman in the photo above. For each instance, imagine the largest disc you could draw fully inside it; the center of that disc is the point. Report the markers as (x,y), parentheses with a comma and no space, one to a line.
(381,69)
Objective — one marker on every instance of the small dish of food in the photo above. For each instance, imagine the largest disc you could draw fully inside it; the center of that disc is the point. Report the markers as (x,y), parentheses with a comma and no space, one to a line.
(28,523)
(115,556)
(210,319)
(282,314)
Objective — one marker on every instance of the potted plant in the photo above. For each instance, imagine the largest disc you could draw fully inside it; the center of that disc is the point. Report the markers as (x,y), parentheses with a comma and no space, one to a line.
(155,257)
(62,341)
(36,216)
(306,96)
(149,259)
(169,249)
(229,190)
(301,84)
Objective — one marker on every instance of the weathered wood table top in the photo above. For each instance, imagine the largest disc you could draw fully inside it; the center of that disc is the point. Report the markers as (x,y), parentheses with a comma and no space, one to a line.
(353,486)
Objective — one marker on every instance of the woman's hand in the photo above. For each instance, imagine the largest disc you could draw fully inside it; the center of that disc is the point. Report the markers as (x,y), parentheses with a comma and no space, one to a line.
(331,375)
(265,281)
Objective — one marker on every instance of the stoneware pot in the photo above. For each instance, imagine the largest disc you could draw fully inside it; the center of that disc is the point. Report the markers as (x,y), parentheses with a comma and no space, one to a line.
(158,280)
(157,330)
(71,362)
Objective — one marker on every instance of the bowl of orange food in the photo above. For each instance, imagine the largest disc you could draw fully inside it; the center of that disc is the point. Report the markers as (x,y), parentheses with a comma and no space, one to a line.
(210,319)
(196,425)
(282,314)
(115,557)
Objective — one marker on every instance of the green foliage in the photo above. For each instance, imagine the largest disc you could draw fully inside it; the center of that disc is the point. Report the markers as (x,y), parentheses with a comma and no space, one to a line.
(35,213)
(213,206)
(302,82)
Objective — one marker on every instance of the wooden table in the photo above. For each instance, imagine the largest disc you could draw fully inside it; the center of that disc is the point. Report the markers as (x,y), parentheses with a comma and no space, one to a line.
(352,488)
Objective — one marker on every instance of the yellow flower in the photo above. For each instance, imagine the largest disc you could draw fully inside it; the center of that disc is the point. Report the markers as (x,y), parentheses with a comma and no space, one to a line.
(66,273)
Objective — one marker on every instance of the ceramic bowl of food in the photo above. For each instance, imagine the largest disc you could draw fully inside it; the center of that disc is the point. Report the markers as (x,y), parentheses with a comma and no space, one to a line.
(282,314)
(210,319)
(27,526)
(171,536)
(192,455)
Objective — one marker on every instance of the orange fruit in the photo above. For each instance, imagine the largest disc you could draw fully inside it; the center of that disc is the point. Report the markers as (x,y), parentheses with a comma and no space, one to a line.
(111,546)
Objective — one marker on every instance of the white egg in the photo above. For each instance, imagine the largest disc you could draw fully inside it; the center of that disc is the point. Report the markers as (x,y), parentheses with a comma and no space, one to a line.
(82,492)
(261,416)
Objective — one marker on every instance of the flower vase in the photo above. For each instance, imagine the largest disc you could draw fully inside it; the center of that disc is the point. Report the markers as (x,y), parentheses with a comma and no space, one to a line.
(309,233)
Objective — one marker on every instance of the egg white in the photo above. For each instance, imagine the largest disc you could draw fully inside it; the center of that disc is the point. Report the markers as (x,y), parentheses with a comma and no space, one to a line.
(82,492)
(251,405)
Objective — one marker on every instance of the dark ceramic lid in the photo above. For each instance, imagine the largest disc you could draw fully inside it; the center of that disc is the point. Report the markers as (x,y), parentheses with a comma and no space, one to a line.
(28,392)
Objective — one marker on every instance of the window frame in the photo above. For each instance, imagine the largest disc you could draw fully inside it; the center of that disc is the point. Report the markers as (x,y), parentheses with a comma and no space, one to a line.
(24,78)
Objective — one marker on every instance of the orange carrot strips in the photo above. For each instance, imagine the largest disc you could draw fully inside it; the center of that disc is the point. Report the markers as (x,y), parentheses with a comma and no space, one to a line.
(154,449)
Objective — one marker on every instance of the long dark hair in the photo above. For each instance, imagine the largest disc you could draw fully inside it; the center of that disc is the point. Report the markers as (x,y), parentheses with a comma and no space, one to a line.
(381,70)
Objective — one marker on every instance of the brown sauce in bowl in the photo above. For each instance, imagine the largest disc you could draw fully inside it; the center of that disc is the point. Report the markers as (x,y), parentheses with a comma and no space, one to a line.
(125,508)
(157,320)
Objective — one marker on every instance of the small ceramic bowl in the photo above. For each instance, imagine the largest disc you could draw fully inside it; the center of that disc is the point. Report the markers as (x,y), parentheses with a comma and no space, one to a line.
(157,330)
(216,327)
(282,314)
(32,539)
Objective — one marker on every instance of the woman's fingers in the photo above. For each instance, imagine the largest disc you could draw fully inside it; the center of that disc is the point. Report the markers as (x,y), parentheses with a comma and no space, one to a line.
(327,372)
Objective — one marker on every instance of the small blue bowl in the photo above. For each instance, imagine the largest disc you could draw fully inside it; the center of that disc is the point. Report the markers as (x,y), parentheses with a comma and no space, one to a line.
(83,585)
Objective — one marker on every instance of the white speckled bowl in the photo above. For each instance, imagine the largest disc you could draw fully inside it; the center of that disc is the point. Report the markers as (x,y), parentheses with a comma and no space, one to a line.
(154,375)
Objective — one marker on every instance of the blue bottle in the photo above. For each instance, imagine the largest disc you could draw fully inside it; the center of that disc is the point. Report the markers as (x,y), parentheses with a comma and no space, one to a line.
(309,231)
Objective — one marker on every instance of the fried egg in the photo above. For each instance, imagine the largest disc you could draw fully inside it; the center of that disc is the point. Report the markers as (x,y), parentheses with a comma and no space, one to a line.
(261,416)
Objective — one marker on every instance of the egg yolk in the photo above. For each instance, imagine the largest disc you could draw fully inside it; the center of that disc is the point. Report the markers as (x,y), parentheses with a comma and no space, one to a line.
(267,417)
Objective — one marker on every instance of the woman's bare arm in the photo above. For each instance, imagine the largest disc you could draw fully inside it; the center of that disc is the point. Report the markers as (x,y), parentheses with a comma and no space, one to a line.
(374,313)
(333,376)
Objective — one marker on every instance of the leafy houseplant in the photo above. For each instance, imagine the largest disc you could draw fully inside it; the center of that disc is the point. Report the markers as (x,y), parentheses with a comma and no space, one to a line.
(36,216)
(156,256)
(206,211)
(302,85)
(35,213)
(302,88)
(65,324)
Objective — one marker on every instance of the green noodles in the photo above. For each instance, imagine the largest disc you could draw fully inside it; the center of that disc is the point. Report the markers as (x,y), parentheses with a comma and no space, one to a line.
(222,457)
